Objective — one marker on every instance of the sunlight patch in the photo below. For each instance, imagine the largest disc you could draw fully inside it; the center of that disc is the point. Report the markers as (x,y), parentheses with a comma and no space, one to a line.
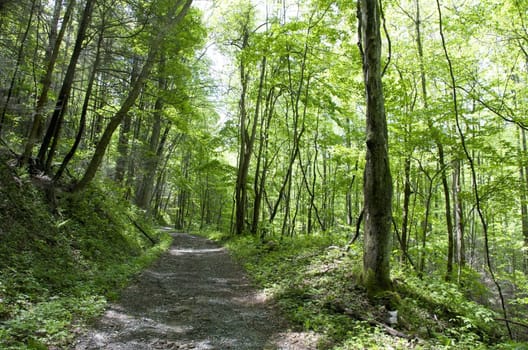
(185,251)
(137,323)
(251,299)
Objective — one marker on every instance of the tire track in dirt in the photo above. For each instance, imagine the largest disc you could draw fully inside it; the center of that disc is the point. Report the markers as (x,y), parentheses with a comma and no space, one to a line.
(194,297)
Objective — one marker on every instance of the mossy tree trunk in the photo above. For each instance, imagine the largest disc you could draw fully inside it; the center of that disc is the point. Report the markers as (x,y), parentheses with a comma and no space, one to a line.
(377,186)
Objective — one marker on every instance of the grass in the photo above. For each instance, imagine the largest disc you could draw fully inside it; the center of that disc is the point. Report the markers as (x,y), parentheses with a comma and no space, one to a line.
(315,283)
(58,270)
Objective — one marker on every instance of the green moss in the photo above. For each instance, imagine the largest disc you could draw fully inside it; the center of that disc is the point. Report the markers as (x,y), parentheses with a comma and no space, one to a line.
(391,300)
(373,284)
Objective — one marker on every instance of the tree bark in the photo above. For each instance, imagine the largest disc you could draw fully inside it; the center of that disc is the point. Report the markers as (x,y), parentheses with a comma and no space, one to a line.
(449,220)
(524,199)
(247,139)
(51,58)
(151,161)
(47,152)
(263,157)
(122,150)
(406,202)
(377,186)
(84,111)
(123,159)
(459,249)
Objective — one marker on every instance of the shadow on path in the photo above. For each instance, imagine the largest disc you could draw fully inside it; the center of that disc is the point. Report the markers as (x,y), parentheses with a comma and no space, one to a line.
(193,297)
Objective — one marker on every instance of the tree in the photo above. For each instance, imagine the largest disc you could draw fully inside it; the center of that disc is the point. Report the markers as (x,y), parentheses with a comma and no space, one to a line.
(247,128)
(174,16)
(18,63)
(51,57)
(377,182)
(151,159)
(51,139)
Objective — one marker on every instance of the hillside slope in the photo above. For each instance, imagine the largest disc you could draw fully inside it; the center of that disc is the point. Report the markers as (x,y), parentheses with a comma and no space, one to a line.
(60,264)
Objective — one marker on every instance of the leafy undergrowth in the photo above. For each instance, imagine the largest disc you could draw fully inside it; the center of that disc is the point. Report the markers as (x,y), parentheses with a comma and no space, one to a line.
(315,284)
(58,270)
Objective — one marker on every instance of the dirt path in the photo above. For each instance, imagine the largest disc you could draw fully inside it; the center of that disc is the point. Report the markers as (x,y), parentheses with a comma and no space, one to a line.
(193,297)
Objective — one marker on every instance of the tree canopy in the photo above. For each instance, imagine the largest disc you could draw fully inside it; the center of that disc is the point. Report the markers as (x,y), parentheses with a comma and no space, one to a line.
(400,125)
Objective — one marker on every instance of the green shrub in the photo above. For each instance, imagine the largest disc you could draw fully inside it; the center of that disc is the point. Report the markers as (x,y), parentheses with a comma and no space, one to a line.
(315,283)
(58,268)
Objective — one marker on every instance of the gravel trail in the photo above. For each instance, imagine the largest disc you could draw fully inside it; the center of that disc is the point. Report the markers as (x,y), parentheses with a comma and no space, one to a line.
(194,297)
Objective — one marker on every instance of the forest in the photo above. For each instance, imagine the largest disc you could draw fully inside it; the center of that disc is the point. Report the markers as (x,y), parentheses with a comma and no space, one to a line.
(351,155)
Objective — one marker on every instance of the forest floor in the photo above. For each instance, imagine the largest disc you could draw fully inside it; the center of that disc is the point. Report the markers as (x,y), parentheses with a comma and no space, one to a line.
(194,297)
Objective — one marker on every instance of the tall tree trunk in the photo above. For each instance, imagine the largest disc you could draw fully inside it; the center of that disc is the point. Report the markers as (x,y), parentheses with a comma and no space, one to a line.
(377,186)
(47,152)
(247,139)
(171,20)
(449,220)
(296,92)
(310,187)
(162,173)
(123,158)
(406,201)
(286,208)
(426,226)
(51,58)
(84,111)
(150,163)
(262,156)
(524,198)
(459,249)
(100,149)
(471,162)
(439,145)
(122,150)
(348,195)
(53,31)
(182,197)
(243,163)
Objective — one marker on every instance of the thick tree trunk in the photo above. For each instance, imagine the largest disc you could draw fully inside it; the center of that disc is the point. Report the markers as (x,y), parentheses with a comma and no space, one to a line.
(377,186)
